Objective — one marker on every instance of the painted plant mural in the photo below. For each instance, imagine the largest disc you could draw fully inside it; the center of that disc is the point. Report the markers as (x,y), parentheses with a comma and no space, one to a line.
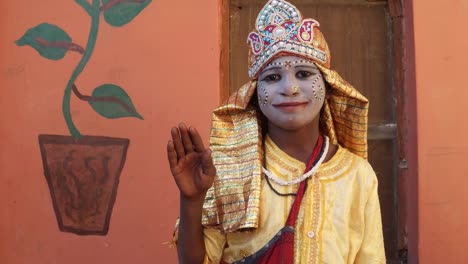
(83,172)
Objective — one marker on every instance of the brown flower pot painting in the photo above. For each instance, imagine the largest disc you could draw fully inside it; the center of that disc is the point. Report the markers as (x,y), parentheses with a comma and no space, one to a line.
(83,172)
(83,176)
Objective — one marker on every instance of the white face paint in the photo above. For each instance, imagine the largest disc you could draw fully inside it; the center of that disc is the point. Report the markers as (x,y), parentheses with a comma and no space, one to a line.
(291,92)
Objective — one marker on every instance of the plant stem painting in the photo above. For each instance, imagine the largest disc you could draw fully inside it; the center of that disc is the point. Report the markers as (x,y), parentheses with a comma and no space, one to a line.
(83,172)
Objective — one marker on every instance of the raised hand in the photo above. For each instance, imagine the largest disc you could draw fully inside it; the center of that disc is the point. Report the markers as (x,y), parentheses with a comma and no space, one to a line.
(191,164)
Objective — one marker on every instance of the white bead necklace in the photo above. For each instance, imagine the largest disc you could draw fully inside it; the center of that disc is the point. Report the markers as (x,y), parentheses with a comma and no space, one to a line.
(305,175)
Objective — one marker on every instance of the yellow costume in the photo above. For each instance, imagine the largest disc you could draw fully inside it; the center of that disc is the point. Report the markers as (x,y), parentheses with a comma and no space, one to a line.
(339,220)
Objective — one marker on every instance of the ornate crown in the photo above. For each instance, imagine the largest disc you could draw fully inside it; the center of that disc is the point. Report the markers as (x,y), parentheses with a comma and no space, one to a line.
(280,28)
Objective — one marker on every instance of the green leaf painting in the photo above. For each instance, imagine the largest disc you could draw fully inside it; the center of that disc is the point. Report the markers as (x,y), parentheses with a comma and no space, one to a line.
(111,101)
(120,12)
(52,42)
(49,40)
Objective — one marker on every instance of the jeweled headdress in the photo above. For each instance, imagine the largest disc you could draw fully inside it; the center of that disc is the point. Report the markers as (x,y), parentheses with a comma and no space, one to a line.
(280,28)
(233,203)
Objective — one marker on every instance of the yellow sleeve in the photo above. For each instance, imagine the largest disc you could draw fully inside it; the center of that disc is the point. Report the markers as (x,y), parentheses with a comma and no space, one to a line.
(214,245)
(372,249)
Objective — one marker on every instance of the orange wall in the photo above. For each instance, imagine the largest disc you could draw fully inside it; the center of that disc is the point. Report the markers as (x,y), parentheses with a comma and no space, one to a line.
(441,57)
(167,61)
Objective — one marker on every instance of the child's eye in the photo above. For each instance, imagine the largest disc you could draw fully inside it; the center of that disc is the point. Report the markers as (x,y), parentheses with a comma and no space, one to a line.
(303,74)
(272,78)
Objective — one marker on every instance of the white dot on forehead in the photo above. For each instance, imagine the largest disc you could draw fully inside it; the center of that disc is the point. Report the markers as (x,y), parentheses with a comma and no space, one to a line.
(289,63)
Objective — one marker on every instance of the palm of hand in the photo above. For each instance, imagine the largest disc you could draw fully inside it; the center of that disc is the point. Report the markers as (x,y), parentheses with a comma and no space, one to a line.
(191,164)
(190,177)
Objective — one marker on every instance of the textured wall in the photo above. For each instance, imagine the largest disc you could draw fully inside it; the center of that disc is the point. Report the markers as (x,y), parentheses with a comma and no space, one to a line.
(167,61)
(440,58)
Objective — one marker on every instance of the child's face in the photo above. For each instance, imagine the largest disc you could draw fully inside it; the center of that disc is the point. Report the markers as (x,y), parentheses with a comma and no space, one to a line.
(291,92)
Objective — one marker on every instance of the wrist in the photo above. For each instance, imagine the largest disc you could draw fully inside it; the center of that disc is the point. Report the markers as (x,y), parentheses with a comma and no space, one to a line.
(191,209)
(192,201)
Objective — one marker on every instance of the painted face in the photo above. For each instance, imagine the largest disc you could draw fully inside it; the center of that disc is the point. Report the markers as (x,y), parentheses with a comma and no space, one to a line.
(291,92)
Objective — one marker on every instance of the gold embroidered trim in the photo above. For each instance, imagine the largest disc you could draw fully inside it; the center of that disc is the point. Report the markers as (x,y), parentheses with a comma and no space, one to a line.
(316,218)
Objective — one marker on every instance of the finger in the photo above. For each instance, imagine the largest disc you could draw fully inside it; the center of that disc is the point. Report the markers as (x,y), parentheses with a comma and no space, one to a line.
(207,163)
(179,148)
(188,145)
(171,154)
(196,140)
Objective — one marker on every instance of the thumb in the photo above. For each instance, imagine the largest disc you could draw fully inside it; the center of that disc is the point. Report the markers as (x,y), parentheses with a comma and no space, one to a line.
(207,163)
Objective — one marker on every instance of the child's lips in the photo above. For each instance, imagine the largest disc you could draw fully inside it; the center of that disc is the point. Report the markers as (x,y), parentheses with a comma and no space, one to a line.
(290,106)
